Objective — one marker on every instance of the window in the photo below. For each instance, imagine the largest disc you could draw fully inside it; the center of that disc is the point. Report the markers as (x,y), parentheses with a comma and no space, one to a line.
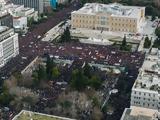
(103,18)
(103,23)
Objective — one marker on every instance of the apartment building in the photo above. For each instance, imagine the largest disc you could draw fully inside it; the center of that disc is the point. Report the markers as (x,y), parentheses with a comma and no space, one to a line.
(9,46)
(5,18)
(21,11)
(38,5)
(110,17)
(146,89)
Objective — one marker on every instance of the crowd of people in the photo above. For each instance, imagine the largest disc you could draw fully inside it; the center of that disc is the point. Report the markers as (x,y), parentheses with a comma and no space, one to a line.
(31,47)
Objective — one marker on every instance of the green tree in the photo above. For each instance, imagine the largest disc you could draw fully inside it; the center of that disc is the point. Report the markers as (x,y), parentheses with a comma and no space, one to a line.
(157,43)
(30,21)
(49,66)
(66,37)
(147,42)
(67,34)
(35,79)
(55,73)
(5,97)
(41,73)
(78,80)
(157,32)
(124,43)
(95,82)
(87,70)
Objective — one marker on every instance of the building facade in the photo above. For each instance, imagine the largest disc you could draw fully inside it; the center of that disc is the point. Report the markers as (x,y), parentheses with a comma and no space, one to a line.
(38,5)
(9,46)
(20,24)
(111,17)
(146,89)
(6,19)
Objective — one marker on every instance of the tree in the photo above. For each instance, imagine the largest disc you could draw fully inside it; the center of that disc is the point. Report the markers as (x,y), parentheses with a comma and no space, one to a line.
(123,45)
(67,34)
(5,97)
(157,32)
(78,80)
(62,39)
(66,37)
(87,70)
(157,43)
(41,73)
(49,66)
(55,73)
(147,42)
(95,82)
(35,78)
(30,21)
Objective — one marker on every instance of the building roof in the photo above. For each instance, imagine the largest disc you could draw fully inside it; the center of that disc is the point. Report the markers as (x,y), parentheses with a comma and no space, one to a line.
(3,28)
(139,113)
(29,115)
(149,76)
(114,9)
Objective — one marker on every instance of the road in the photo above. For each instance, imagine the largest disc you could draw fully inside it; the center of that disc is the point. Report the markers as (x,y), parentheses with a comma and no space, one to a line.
(30,46)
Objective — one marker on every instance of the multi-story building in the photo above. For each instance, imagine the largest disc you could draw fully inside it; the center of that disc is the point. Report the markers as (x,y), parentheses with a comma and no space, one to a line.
(146,89)
(38,5)
(62,1)
(5,18)
(53,3)
(21,11)
(110,17)
(20,24)
(9,46)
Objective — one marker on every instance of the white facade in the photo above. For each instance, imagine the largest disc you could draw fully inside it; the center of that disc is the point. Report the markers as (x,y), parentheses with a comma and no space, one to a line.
(146,89)
(38,5)
(20,10)
(9,46)
(20,24)
(62,1)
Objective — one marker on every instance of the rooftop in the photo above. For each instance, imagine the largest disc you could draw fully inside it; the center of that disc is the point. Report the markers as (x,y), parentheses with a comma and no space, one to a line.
(149,76)
(114,9)
(28,115)
(3,29)
(139,113)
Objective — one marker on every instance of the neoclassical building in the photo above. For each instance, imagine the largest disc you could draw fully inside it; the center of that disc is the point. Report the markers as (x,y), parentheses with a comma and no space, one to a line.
(110,17)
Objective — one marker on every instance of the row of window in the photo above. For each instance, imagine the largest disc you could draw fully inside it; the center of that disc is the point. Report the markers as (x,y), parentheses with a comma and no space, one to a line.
(82,16)
(123,20)
(122,30)
(123,25)
(144,98)
(82,26)
(145,94)
(83,21)
(104,23)
(145,104)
